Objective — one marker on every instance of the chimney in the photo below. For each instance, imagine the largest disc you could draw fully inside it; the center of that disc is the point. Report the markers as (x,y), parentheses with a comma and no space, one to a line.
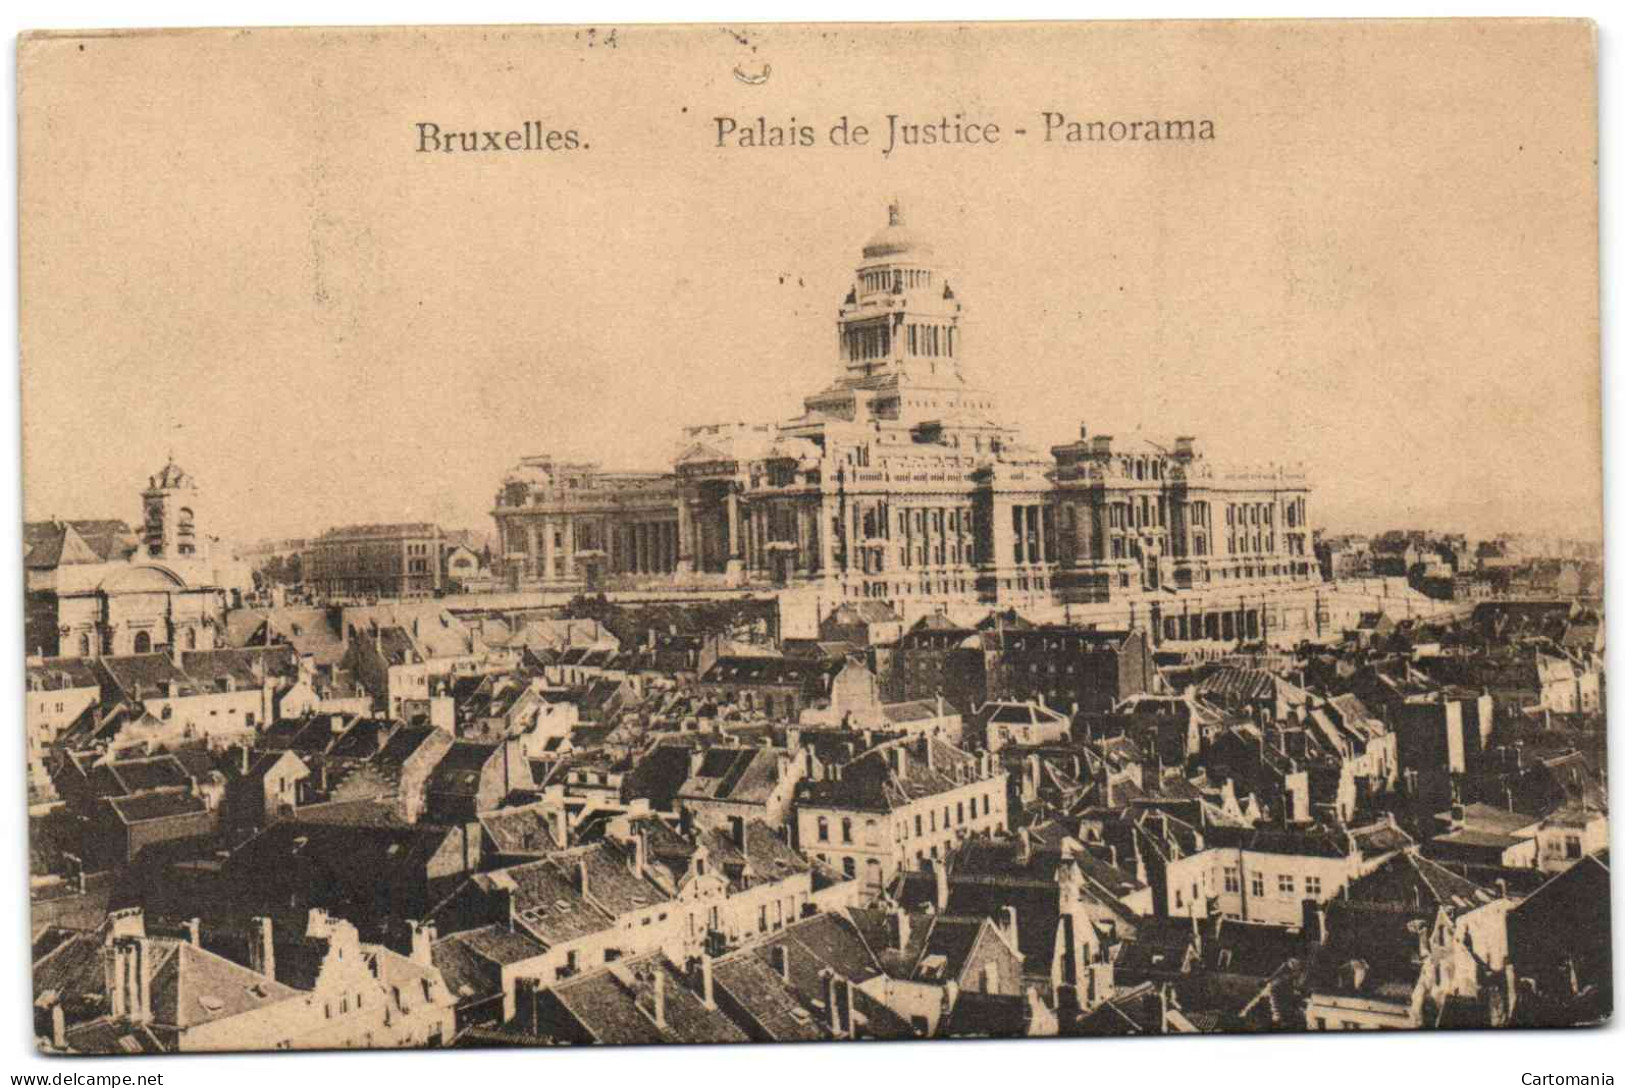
(561,828)
(900,924)
(826,980)
(640,852)
(423,938)
(581,876)
(1357,970)
(736,832)
(1010,927)
(245,759)
(129,985)
(261,947)
(59,1026)
(660,997)
(779,955)
(1314,921)
(194,932)
(940,868)
(708,992)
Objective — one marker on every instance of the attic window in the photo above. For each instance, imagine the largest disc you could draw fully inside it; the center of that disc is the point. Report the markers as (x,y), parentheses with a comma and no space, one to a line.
(210,1002)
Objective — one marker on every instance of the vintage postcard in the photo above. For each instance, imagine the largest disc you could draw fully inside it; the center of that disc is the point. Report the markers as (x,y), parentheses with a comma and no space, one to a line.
(700,534)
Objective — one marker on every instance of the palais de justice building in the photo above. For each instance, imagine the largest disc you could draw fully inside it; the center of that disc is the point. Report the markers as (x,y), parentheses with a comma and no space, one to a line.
(898,481)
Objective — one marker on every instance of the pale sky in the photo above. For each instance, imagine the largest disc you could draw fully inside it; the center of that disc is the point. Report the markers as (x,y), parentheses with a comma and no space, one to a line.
(1383,267)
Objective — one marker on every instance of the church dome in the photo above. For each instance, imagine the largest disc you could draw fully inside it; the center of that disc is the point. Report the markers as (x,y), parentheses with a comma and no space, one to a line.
(895,239)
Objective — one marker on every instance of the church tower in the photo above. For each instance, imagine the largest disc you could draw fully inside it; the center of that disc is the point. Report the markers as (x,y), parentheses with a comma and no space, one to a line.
(170,507)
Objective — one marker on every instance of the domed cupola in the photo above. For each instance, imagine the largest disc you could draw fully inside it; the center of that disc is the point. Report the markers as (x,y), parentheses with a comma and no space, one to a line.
(896,241)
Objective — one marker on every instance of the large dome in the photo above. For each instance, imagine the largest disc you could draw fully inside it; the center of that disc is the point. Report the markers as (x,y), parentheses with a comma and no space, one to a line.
(895,239)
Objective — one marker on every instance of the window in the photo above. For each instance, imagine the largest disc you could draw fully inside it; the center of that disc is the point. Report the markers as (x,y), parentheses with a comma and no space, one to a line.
(1311,886)
(1258,885)
(823,829)
(1285,885)
(846,829)
(1232,879)
(850,868)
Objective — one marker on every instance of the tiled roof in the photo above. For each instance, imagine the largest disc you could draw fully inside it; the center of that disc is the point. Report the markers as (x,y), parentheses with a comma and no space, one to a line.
(526,829)
(546,903)
(191,987)
(744,775)
(769,1000)
(985,1016)
(157,805)
(1410,881)
(765,858)
(617,1006)
(869,782)
(777,671)
(49,544)
(61,674)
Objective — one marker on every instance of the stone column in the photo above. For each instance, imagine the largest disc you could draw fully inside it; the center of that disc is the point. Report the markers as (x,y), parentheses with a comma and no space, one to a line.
(1040,513)
(736,563)
(685,536)
(530,547)
(1000,537)
(826,538)
(803,552)
(549,550)
(569,547)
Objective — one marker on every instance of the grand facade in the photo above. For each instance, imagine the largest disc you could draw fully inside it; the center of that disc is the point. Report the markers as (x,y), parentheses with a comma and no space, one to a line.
(899,482)
(100,588)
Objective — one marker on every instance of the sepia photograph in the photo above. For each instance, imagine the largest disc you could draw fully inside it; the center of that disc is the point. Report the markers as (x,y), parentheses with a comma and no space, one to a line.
(699,534)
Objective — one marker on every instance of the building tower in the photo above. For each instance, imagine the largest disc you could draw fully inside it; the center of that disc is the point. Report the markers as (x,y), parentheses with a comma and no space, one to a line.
(901,316)
(170,506)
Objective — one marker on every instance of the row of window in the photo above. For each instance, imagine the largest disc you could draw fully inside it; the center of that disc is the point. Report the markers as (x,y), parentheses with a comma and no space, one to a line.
(1286,884)
(956,814)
